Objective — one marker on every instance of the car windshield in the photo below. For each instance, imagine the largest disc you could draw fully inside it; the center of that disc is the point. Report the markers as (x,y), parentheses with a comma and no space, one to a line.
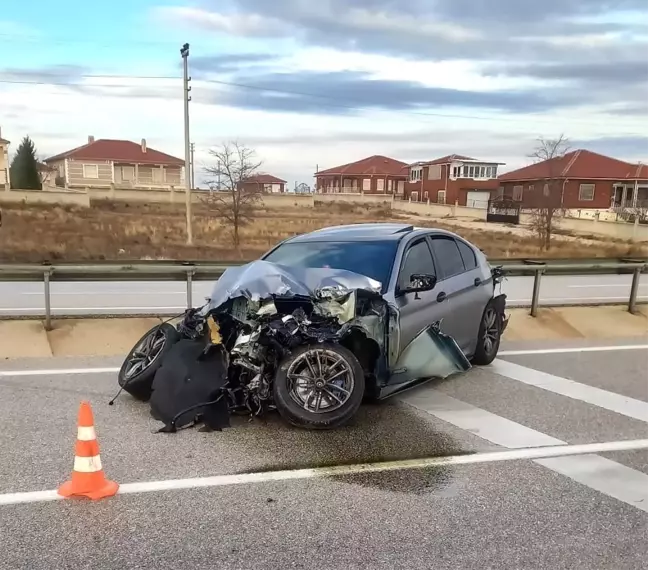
(371,258)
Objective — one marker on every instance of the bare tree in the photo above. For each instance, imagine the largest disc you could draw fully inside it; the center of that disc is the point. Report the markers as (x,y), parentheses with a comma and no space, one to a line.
(547,200)
(233,196)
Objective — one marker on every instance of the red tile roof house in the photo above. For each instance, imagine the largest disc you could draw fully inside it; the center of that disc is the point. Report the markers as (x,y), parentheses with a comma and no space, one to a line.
(586,180)
(453,179)
(372,175)
(126,164)
(267,183)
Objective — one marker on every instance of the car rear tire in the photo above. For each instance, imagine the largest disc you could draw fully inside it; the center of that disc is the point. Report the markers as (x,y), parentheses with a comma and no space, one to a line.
(490,334)
(144,360)
(319,386)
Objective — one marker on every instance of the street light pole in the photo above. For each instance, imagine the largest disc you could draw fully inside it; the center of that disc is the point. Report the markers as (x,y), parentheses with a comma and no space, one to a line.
(184,52)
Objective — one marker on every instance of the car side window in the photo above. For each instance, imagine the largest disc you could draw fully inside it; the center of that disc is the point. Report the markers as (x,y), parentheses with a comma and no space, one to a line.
(417,259)
(448,256)
(468,255)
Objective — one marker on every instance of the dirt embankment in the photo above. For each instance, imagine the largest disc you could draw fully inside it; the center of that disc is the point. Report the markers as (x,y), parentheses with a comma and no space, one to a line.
(157,231)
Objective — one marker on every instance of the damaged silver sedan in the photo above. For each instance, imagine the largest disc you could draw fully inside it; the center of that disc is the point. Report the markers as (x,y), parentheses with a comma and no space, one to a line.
(321,322)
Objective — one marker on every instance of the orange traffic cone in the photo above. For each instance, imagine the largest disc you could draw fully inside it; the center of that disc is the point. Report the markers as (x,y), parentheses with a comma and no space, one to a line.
(87,477)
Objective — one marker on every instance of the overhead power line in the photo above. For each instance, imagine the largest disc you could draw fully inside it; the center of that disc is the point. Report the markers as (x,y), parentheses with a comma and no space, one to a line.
(327,100)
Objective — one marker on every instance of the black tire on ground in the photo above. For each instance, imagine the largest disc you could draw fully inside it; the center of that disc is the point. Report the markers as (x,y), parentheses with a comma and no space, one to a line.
(486,352)
(296,414)
(140,384)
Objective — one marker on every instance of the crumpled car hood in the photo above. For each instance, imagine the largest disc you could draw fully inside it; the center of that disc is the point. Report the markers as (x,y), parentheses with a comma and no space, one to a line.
(261,280)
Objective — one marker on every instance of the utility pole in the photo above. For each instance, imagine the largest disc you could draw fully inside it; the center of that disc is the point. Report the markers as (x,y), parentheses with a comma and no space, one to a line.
(184,52)
(193,174)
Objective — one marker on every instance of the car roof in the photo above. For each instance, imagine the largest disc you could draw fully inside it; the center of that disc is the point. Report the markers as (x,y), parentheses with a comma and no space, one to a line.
(365,232)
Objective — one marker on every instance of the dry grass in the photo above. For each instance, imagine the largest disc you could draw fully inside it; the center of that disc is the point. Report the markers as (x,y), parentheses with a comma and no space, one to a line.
(157,231)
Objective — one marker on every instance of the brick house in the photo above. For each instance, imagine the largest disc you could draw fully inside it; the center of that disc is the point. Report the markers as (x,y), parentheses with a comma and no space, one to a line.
(101,163)
(453,179)
(266,182)
(372,175)
(583,180)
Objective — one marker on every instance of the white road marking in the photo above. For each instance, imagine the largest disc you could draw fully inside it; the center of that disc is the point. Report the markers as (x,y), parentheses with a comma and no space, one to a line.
(576,300)
(599,473)
(484,424)
(105,370)
(339,470)
(623,405)
(568,350)
(54,309)
(625,285)
(57,371)
(82,293)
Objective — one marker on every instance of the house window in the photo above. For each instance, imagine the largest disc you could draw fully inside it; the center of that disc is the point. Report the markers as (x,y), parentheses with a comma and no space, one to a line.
(366,184)
(400,186)
(416,174)
(456,171)
(380,185)
(517,193)
(441,197)
(390,186)
(545,190)
(434,172)
(414,196)
(425,196)
(158,175)
(91,171)
(586,192)
(128,172)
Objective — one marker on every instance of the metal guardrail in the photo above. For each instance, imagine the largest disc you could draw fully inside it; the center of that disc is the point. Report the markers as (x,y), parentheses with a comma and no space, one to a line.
(203,271)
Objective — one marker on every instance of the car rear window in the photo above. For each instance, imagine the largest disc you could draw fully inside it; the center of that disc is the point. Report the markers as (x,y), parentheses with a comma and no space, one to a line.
(371,258)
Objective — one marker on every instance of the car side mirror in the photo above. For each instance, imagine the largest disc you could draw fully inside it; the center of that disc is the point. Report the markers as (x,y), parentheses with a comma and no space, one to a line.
(420,282)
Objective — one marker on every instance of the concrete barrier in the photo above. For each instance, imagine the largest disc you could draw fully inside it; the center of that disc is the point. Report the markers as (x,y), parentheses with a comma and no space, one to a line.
(439,210)
(289,200)
(177,196)
(617,230)
(52,197)
(376,199)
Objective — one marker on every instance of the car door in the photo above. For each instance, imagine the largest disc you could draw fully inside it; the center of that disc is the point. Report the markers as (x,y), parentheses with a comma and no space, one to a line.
(463,286)
(418,310)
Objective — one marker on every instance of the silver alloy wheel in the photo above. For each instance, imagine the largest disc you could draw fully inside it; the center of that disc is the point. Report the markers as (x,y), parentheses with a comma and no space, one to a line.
(491,330)
(320,380)
(145,353)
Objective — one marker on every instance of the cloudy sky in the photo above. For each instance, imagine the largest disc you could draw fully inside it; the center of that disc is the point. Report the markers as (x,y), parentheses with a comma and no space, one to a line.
(324,82)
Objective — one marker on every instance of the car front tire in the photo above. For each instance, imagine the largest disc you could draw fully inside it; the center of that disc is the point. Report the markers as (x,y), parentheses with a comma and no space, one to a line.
(144,360)
(319,386)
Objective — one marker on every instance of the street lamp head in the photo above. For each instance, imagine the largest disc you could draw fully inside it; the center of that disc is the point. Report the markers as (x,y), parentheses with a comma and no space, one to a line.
(184,50)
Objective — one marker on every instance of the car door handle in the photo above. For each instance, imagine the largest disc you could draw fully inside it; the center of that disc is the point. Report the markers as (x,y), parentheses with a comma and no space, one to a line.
(477,281)
(441,297)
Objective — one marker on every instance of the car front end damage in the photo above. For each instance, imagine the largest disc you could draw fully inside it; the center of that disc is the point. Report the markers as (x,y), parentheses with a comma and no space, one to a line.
(308,342)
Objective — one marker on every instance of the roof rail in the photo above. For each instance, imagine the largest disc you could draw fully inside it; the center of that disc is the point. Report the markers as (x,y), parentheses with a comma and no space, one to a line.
(405,229)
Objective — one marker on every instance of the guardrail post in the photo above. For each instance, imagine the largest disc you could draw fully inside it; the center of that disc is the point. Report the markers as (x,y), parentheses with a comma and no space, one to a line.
(632,303)
(48,303)
(190,273)
(535,298)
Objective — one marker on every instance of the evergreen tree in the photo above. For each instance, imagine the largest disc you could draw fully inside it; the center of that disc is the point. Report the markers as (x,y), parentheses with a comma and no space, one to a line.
(24,167)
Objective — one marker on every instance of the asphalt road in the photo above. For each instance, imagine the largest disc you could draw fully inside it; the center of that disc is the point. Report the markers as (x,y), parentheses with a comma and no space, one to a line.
(581,511)
(82,298)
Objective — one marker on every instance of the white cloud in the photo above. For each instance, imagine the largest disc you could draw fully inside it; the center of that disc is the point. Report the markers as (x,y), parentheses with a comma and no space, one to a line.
(235,24)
